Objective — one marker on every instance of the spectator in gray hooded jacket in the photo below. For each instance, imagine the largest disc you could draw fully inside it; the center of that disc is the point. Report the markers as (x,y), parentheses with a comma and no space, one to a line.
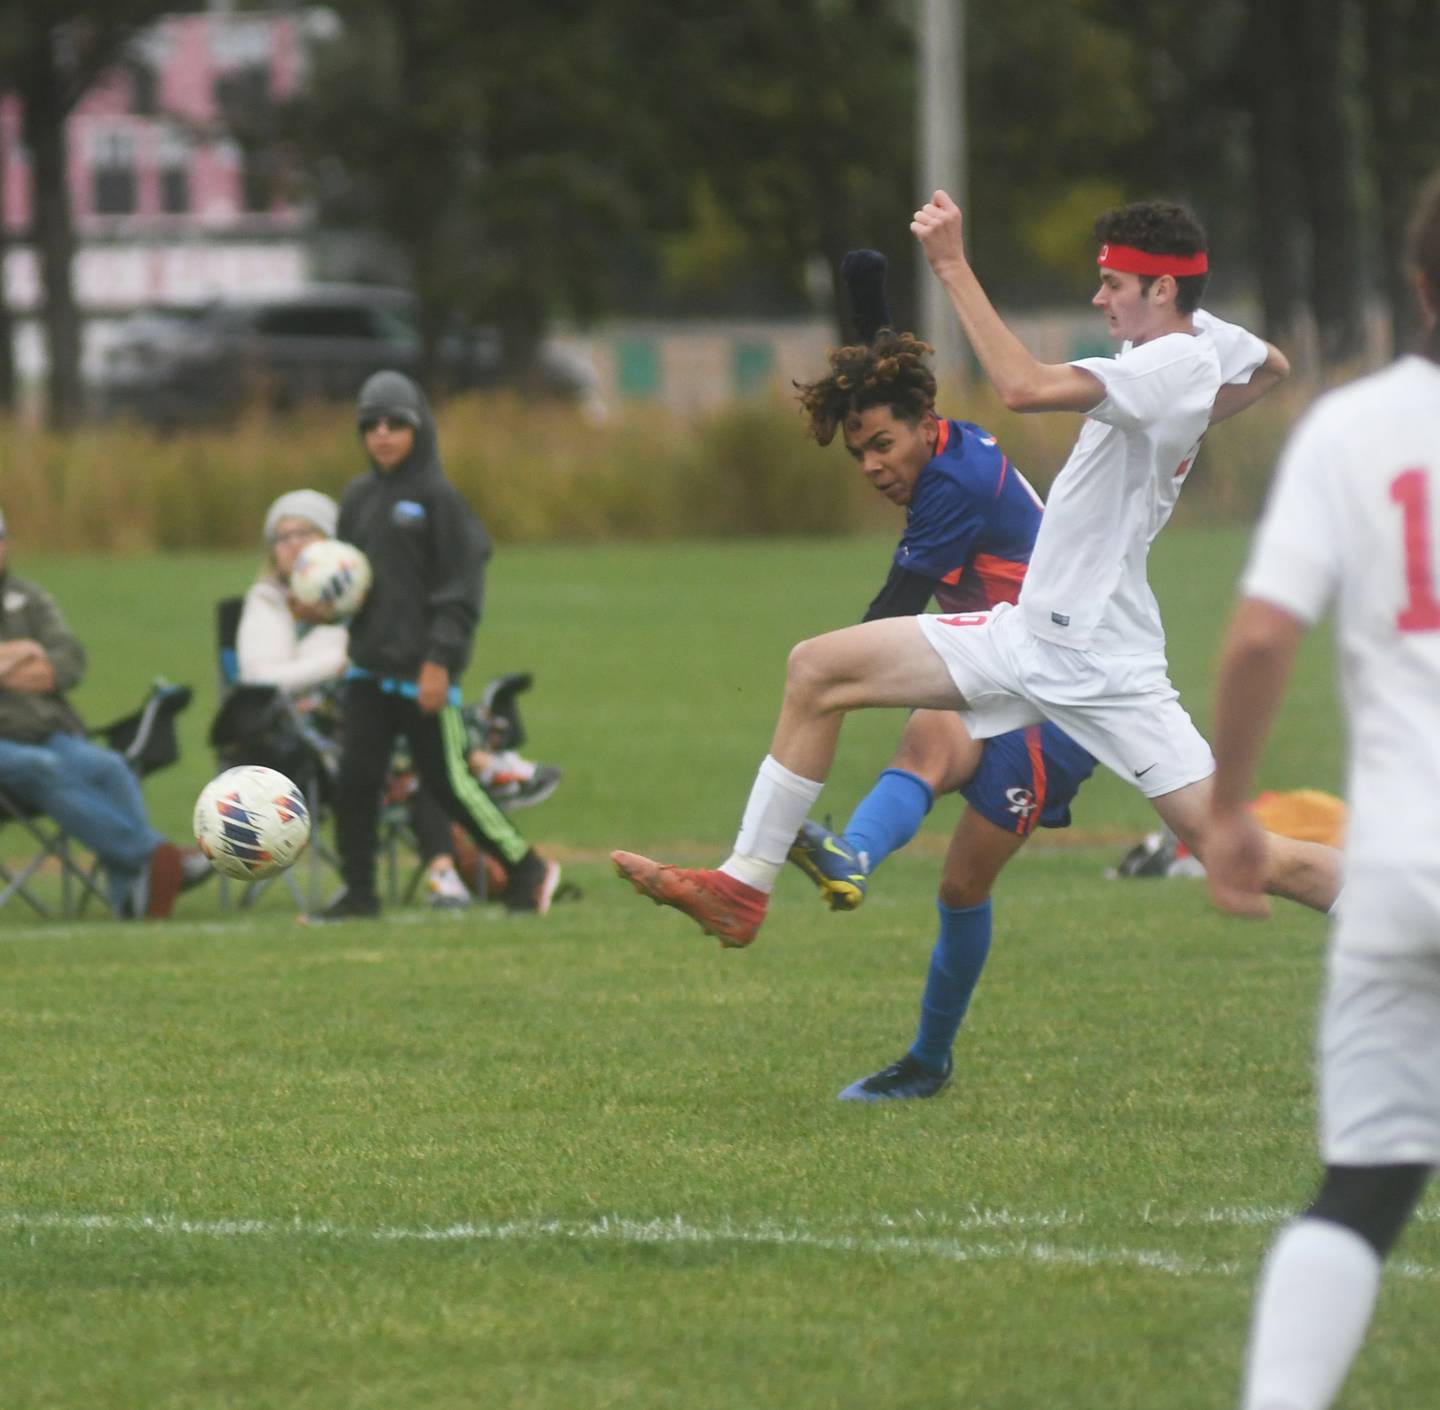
(409,644)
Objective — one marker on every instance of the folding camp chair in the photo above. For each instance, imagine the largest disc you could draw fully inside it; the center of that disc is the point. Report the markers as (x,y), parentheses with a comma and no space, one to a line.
(310,757)
(259,724)
(147,741)
(54,846)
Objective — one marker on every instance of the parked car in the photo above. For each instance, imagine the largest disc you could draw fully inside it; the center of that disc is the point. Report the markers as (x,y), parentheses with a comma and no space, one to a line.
(176,364)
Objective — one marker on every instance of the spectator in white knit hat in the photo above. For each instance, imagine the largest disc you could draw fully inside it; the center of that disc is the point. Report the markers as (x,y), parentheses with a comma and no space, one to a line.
(274,647)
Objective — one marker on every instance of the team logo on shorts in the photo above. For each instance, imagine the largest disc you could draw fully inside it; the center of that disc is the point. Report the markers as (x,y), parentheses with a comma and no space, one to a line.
(1022,802)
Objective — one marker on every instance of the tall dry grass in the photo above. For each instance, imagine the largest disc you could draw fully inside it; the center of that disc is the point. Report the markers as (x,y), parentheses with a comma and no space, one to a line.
(543,473)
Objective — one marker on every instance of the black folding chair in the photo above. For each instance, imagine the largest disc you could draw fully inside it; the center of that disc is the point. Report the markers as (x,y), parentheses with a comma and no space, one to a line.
(259,724)
(54,846)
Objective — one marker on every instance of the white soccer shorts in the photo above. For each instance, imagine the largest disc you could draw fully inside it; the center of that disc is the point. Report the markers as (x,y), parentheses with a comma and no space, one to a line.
(1380,1024)
(1123,709)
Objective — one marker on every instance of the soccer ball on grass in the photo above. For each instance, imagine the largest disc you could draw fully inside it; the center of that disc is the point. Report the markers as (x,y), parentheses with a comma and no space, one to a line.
(251,822)
(331,573)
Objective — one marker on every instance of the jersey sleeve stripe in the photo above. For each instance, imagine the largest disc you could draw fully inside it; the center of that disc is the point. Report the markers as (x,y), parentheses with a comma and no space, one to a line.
(1002,576)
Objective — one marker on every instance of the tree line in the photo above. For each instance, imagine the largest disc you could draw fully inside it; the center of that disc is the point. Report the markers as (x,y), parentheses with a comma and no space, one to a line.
(577,158)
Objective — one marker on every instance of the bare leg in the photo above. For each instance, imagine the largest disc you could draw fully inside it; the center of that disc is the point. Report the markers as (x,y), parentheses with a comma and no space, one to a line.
(978,852)
(938,748)
(885,663)
(875,664)
(1307,872)
(936,755)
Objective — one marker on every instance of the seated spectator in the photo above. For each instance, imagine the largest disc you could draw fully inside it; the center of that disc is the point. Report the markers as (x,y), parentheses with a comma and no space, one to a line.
(47,763)
(279,643)
(273,646)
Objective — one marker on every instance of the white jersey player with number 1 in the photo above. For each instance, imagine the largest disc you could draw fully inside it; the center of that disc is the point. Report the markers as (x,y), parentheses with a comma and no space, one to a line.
(1354,521)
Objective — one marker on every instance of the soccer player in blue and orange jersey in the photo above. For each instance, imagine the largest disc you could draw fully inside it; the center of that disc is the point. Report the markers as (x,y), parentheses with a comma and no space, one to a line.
(970,523)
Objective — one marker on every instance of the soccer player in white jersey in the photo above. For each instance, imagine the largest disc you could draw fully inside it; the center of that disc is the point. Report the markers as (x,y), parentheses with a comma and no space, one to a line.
(1353,519)
(1083,647)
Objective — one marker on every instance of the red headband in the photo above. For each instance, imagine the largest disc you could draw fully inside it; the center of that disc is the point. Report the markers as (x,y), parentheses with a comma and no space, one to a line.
(1128,260)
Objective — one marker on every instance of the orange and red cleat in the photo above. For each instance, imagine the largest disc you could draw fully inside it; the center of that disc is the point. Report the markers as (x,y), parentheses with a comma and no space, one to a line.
(720,905)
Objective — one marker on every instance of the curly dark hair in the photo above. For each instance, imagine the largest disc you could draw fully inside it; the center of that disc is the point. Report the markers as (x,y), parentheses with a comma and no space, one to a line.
(892,371)
(1159,228)
(1422,248)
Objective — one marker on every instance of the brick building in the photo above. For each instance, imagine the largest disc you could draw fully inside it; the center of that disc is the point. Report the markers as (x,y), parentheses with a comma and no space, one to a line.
(176,190)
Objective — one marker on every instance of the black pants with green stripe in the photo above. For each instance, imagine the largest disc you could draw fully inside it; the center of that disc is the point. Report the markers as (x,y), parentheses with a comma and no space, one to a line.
(373,718)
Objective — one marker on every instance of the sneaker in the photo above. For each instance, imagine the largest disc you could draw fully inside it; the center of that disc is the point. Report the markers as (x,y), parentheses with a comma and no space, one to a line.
(514,782)
(343,907)
(900,1082)
(832,864)
(525,793)
(533,893)
(445,890)
(195,868)
(1153,857)
(163,883)
(1161,854)
(720,905)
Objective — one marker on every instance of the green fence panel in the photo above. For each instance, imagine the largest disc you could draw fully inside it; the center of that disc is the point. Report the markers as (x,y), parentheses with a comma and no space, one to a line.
(752,366)
(637,367)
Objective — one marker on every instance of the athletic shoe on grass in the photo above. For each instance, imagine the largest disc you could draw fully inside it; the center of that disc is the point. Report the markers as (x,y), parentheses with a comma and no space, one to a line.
(533,889)
(901,1081)
(444,889)
(344,907)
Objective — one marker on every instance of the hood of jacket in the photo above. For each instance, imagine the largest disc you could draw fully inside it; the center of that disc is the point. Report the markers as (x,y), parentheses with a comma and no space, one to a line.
(394,394)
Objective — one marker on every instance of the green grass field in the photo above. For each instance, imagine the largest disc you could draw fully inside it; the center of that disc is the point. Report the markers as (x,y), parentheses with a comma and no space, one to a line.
(472,1160)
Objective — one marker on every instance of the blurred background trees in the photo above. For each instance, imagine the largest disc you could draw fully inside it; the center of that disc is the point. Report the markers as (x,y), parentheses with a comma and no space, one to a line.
(565,161)
(501,151)
(50,54)
(576,158)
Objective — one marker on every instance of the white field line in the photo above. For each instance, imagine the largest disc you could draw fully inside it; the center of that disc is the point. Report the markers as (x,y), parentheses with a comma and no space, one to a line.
(103,929)
(678,1231)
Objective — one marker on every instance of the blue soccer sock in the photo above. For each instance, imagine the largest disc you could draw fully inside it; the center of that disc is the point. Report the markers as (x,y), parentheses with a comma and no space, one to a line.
(889,815)
(955,966)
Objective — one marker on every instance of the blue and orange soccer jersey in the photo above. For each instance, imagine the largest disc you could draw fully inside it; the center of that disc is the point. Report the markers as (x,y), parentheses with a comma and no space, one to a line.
(971,522)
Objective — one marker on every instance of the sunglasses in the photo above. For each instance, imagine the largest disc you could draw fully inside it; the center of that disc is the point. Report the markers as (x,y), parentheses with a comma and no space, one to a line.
(384,423)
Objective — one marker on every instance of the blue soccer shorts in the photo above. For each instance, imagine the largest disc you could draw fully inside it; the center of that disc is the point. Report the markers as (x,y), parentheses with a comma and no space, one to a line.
(1028,776)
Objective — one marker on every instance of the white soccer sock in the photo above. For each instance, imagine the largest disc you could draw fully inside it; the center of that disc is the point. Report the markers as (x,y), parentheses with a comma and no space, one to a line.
(779,802)
(1316,1293)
